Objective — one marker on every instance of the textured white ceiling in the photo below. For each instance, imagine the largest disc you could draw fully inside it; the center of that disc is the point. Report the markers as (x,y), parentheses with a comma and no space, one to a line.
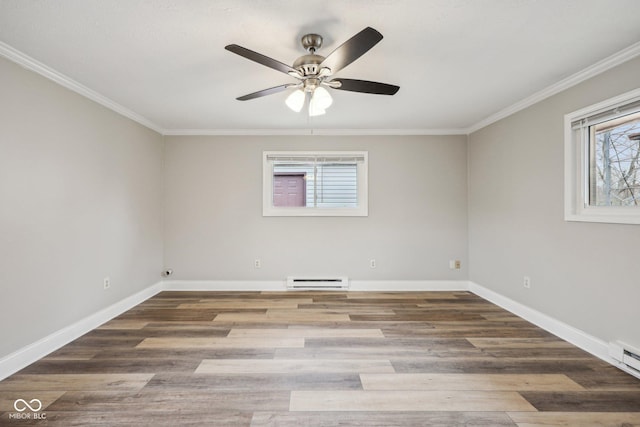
(457,62)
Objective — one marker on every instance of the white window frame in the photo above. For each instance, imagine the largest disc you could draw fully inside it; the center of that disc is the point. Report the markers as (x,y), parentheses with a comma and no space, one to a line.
(362,183)
(576,166)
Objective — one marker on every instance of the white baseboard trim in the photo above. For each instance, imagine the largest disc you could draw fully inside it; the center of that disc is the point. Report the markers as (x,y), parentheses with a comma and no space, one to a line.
(408,285)
(277,285)
(225,285)
(567,332)
(25,356)
(354,285)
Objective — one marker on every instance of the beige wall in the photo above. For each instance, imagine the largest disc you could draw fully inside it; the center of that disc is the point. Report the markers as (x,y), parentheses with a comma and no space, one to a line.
(417,221)
(584,274)
(80,199)
(81,192)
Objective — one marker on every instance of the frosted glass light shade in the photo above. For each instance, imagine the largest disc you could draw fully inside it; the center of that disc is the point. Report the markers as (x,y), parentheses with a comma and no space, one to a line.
(295,101)
(322,98)
(320,101)
(315,111)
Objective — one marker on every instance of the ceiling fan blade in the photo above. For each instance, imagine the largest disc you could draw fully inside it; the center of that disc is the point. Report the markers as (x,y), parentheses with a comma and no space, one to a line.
(266,92)
(352,49)
(366,86)
(260,58)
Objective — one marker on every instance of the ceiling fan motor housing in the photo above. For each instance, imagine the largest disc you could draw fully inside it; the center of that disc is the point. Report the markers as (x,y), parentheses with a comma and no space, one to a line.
(308,65)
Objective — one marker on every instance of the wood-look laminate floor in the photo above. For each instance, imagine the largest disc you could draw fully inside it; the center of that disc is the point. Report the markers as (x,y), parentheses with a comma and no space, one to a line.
(321,359)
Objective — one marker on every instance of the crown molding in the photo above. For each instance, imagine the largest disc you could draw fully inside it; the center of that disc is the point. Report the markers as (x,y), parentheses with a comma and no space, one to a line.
(599,67)
(38,67)
(593,70)
(306,132)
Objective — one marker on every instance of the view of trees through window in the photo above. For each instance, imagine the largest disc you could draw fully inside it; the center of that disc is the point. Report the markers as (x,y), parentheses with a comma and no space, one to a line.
(614,178)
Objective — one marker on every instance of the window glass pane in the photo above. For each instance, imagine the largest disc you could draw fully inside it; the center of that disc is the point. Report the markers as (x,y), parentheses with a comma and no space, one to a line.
(336,186)
(317,184)
(614,178)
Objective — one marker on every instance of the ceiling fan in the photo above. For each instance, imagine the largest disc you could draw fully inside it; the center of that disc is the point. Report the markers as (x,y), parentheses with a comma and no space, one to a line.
(315,72)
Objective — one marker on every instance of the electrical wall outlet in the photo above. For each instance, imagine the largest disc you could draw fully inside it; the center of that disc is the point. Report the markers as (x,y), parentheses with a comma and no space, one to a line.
(257,263)
(454,264)
(372,263)
(106,283)
(526,282)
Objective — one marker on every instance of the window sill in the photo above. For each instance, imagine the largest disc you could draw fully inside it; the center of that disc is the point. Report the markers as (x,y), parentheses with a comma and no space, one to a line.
(605,216)
(289,211)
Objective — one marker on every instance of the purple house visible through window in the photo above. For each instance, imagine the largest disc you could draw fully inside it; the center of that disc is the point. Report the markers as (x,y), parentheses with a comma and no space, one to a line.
(289,190)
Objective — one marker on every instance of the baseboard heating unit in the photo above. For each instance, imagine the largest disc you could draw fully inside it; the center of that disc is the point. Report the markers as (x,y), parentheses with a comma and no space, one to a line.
(318,283)
(628,358)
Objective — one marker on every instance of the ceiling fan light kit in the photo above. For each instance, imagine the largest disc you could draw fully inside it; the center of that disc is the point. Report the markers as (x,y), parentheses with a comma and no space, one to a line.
(315,72)
(295,100)
(319,102)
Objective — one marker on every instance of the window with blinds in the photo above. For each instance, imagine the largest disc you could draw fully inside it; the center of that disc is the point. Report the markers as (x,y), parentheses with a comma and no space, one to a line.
(602,161)
(315,183)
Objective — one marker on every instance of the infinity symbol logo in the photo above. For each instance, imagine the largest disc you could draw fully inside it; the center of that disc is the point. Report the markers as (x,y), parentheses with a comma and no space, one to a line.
(26,405)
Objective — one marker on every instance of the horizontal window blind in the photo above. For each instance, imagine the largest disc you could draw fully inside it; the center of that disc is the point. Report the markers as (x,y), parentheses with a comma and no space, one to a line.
(305,159)
(605,115)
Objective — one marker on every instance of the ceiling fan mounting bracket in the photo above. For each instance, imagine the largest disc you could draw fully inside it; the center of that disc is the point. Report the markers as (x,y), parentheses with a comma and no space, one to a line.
(311,42)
